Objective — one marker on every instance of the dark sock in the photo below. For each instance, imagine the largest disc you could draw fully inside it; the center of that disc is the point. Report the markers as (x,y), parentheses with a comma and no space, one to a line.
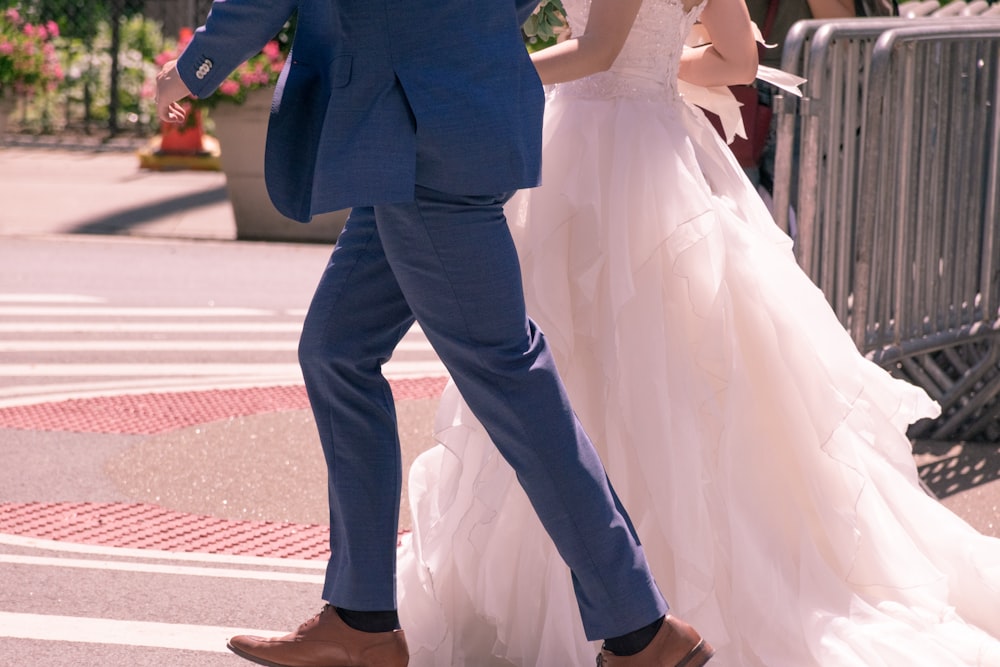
(370,621)
(633,642)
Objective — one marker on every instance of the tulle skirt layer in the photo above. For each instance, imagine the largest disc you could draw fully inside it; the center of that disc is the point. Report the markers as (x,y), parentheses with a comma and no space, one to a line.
(762,459)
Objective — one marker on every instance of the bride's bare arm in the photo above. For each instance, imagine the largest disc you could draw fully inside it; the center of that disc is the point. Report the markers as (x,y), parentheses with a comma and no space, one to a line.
(595,50)
(731,58)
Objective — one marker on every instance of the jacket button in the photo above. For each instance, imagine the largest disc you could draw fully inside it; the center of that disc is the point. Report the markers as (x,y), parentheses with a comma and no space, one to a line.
(204,68)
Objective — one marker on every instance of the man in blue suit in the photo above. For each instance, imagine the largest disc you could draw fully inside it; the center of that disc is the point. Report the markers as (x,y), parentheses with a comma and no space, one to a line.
(424,116)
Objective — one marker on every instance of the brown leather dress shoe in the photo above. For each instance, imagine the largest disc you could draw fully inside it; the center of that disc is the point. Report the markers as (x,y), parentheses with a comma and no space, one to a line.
(325,641)
(676,644)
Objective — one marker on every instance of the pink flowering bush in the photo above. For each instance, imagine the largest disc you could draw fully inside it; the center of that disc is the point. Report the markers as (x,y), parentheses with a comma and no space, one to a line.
(28,60)
(260,71)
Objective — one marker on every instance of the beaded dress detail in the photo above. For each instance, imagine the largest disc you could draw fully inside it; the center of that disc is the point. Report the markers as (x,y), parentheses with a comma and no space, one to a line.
(763,461)
(648,62)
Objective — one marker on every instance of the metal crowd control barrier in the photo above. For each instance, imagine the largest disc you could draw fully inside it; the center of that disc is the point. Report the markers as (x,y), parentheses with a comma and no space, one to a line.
(818,142)
(829,153)
(927,284)
(933,8)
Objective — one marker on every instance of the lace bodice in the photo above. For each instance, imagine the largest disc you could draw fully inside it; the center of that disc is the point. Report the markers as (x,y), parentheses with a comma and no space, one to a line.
(648,62)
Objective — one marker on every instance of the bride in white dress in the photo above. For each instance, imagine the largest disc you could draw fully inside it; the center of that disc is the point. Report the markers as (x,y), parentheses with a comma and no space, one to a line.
(762,459)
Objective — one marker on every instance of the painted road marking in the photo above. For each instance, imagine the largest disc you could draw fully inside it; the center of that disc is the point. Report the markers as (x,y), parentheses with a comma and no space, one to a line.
(155,568)
(276,371)
(23,394)
(124,633)
(38,324)
(159,554)
(130,311)
(47,627)
(50,393)
(50,298)
(171,346)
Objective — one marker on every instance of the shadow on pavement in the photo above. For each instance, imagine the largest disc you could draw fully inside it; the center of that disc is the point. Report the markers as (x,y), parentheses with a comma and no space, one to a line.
(957,468)
(125,220)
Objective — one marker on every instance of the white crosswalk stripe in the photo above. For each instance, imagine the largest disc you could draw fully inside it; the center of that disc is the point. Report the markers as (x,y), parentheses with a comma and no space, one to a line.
(46,554)
(57,346)
(57,628)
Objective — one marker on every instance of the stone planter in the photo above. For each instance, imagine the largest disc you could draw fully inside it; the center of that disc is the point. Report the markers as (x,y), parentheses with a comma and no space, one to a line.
(242,131)
(7,106)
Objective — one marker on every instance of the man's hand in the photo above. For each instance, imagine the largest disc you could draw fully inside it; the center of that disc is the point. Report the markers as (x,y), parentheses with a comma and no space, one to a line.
(169,89)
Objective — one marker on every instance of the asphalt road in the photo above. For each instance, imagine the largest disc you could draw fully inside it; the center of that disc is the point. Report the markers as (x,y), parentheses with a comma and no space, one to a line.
(149,391)
(157,454)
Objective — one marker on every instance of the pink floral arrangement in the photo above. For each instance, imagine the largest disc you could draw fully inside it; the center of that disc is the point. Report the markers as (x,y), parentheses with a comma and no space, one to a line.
(260,71)
(28,60)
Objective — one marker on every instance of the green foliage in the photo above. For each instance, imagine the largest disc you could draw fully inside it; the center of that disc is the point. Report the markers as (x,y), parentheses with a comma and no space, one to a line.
(77,19)
(29,64)
(142,36)
(545,25)
(84,92)
(88,71)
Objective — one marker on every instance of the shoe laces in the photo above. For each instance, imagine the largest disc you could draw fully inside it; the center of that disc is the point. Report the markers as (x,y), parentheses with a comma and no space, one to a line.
(600,660)
(320,613)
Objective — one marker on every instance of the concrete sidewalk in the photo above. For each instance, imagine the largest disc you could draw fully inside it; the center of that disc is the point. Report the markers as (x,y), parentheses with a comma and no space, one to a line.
(94,189)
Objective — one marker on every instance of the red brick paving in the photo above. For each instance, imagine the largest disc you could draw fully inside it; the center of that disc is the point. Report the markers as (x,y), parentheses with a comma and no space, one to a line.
(144,526)
(149,414)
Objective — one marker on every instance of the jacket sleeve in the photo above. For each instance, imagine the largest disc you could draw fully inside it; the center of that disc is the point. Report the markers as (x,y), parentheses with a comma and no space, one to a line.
(524,9)
(234,31)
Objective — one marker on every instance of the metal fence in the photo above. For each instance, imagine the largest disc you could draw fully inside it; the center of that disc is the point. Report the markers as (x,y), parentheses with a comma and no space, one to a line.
(891,165)
(934,9)
(107,51)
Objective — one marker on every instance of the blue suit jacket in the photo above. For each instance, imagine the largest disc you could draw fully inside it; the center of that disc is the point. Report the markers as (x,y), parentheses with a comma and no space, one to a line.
(381,95)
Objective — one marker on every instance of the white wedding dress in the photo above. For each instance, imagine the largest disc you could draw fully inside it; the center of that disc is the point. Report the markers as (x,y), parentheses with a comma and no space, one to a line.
(762,459)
